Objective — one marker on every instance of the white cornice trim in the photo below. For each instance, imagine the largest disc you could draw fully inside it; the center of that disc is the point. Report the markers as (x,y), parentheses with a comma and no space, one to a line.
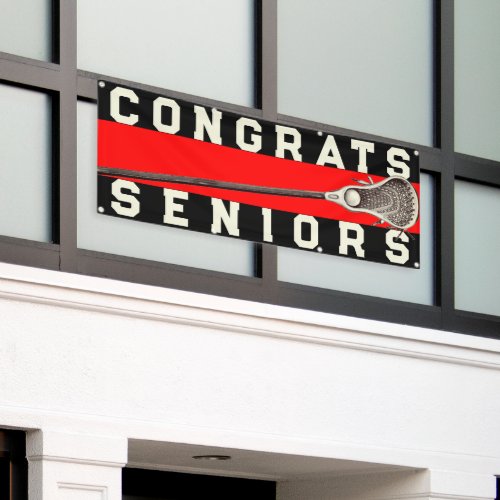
(74,460)
(17,417)
(206,311)
(428,495)
(443,496)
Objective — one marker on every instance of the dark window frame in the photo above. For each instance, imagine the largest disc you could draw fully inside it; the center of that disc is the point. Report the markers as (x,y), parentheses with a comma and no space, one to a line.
(13,465)
(66,84)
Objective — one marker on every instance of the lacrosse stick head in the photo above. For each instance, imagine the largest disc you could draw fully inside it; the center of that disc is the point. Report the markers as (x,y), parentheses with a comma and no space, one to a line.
(393,200)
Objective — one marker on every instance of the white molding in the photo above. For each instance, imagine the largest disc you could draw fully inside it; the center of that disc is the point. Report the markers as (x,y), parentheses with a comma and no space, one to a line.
(84,487)
(74,460)
(106,296)
(30,418)
(428,496)
(82,449)
(408,496)
(396,485)
(441,496)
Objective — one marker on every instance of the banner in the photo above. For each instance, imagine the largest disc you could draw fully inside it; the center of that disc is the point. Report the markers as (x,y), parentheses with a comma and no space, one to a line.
(170,162)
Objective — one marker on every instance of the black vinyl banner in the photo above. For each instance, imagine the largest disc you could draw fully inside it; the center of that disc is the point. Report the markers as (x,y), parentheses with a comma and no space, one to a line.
(166,161)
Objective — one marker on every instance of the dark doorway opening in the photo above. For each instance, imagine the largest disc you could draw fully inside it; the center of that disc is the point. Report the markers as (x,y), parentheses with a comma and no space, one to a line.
(140,484)
(13,466)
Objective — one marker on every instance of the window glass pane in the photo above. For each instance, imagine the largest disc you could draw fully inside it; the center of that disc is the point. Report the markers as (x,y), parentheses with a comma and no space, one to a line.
(361,65)
(369,278)
(199,47)
(25,164)
(142,240)
(26,28)
(477,247)
(477,78)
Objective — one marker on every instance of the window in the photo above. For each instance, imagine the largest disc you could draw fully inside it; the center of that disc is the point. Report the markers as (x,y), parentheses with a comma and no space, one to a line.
(26,28)
(186,46)
(262,59)
(26,160)
(477,233)
(360,65)
(370,278)
(124,237)
(477,78)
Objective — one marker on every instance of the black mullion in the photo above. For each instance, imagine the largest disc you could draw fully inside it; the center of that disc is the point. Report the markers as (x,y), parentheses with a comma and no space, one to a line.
(268,94)
(257,50)
(476,324)
(55,122)
(29,253)
(477,169)
(67,137)
(16,70)
(269,59)
(56,32)
(446,233)
(55,172)
(430,159)
(173,276)
(437,72)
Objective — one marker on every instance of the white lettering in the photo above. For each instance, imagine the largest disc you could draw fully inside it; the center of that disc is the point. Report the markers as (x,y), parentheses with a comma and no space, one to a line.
(175,121)
(220,215)
(117,189)
(282,145)
(330,153)
(298,222)
(267,225)
(363,147)
(393,239)
(347,241)
(115,95)
(256,143)
(399,167)
(205,124)
(171,207)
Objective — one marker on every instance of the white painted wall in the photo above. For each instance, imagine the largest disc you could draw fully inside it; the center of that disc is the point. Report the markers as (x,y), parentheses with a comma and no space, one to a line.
(98,357)
(420,485)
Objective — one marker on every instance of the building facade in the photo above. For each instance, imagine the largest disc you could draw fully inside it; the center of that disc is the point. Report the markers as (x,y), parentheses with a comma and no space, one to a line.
(140,361)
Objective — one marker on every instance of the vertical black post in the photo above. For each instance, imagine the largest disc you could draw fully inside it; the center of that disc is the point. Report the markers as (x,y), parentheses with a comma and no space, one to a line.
(67,136)
(269,59)
(446,232)
(269,101)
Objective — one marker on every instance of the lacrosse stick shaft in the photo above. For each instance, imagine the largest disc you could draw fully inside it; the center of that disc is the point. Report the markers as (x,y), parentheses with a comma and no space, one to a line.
(196,181)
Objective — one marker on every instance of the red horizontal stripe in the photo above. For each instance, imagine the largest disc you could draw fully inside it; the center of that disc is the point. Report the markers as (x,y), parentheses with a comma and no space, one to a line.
(133,148)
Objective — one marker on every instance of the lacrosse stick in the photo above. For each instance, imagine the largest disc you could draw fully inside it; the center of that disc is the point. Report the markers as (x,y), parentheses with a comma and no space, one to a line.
(392,200)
